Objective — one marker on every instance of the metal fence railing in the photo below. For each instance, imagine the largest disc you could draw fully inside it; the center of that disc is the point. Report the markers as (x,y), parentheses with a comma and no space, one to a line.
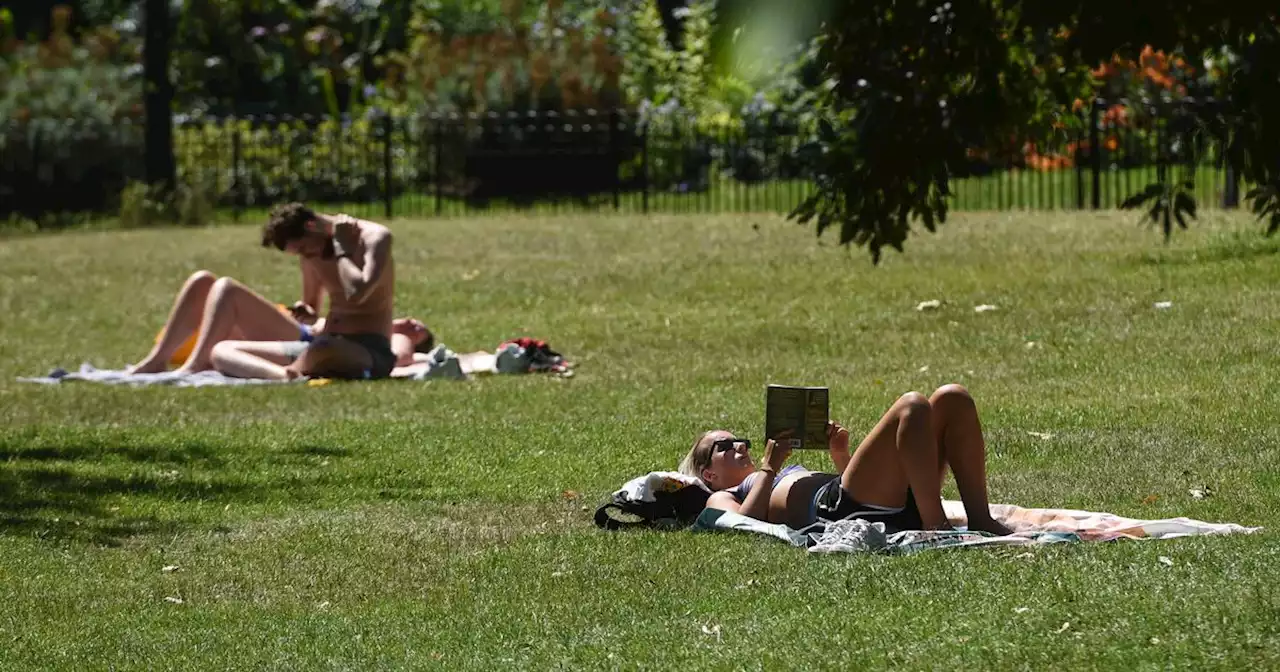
(449,165)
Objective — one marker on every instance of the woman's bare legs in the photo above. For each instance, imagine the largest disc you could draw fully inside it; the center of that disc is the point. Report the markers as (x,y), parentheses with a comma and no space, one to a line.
(958,433)
(183,320)
(269,360)
(901,451)
(233,311)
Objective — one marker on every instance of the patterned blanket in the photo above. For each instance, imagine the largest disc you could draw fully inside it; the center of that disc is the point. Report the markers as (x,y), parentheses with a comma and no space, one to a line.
(1031,526)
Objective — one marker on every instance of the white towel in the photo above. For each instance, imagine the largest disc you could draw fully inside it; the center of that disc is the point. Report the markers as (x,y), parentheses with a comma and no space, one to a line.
(641,488)
(89,373)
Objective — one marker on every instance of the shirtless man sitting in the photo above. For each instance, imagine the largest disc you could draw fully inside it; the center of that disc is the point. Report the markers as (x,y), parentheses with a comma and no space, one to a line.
(348,259)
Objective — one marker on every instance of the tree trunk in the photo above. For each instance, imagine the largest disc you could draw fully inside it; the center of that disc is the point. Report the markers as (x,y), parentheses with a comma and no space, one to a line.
(160,171)
(674,26)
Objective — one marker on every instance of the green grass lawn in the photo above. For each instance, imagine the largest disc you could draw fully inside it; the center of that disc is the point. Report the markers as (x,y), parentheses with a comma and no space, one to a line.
(447,525)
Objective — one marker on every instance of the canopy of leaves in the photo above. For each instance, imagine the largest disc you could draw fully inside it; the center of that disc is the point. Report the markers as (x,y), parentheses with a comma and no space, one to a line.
(913,86)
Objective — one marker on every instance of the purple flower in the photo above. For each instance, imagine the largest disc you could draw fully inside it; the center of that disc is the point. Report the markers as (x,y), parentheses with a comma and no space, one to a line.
(258,32)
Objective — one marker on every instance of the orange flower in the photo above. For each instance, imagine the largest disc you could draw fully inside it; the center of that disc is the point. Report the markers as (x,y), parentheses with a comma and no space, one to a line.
(1159,78)
(1111,143)
(1145,57)
(1116,115)
(1077,105)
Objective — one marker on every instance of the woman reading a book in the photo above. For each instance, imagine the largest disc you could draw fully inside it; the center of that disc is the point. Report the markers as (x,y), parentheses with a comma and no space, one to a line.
(894,476)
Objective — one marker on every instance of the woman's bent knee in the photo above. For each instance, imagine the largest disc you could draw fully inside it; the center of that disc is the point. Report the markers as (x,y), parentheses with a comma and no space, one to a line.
(226,288)
(913,406)
(202,278)
(951,395)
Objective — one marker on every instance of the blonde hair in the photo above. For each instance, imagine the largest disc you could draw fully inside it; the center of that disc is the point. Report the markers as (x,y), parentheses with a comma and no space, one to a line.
(699,457)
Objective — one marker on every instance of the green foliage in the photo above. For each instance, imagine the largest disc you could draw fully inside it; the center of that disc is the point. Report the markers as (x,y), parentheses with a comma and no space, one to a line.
(914,88)
(650,62)
(351,64)
(273,160)
(44,84)
(143,205)
(278,56)
(73,112)
(517,56)
(705,122)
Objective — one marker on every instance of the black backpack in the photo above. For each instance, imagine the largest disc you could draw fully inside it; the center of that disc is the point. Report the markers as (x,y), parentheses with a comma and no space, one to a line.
(670,509)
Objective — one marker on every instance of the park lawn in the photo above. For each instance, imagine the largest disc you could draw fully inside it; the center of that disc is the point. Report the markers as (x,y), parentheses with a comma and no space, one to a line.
(447,524)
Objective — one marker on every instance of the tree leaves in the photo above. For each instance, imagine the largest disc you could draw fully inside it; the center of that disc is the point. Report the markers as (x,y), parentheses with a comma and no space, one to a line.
(1166,204)
(916,86)
(1266,205)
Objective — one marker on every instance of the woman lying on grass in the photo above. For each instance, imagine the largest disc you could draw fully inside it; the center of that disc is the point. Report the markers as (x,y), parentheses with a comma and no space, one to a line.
(215,319)
(894,477)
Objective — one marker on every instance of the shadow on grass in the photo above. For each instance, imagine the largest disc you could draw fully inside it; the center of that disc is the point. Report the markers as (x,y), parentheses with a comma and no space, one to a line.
(84,491)
(185,453)
(321,451)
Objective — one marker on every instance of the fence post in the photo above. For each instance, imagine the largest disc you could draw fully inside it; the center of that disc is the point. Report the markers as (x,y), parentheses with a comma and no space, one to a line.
(1079,162)
(237,190)
(1231,179)
(614,158)
(1231,190)
(388,174)
(1095,151)
(437,175)
(644,167)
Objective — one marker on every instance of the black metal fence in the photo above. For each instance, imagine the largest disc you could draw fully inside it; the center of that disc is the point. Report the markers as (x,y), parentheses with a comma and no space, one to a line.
(449,165)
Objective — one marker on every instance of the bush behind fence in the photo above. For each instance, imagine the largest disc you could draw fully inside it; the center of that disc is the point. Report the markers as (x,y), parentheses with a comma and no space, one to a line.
(439,165)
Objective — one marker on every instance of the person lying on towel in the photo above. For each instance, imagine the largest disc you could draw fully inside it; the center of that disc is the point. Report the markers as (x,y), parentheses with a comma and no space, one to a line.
(210,311)
(894,476)
(348,259)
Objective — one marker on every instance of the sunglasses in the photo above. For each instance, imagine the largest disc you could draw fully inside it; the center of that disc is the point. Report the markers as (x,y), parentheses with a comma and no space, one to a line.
(722,445)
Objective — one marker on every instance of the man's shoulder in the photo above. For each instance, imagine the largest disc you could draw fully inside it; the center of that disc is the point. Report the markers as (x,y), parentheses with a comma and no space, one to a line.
(374,232)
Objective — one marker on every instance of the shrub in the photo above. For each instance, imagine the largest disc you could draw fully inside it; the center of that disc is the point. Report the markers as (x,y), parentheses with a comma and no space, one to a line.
(73,138)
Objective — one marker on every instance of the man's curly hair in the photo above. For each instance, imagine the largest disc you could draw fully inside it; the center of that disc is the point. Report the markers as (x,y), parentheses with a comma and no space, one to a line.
(287,222)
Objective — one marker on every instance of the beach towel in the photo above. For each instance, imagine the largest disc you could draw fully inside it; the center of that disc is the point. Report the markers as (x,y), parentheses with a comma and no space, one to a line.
(514,356)
(91,374)
(440,363)
(1031,526)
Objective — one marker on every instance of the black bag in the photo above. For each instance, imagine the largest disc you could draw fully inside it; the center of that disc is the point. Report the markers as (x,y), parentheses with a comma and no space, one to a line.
(670,509)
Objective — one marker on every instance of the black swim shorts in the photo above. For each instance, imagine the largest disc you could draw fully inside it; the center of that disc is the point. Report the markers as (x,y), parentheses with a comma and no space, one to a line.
(377,345)
(832,502)
(379,348)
